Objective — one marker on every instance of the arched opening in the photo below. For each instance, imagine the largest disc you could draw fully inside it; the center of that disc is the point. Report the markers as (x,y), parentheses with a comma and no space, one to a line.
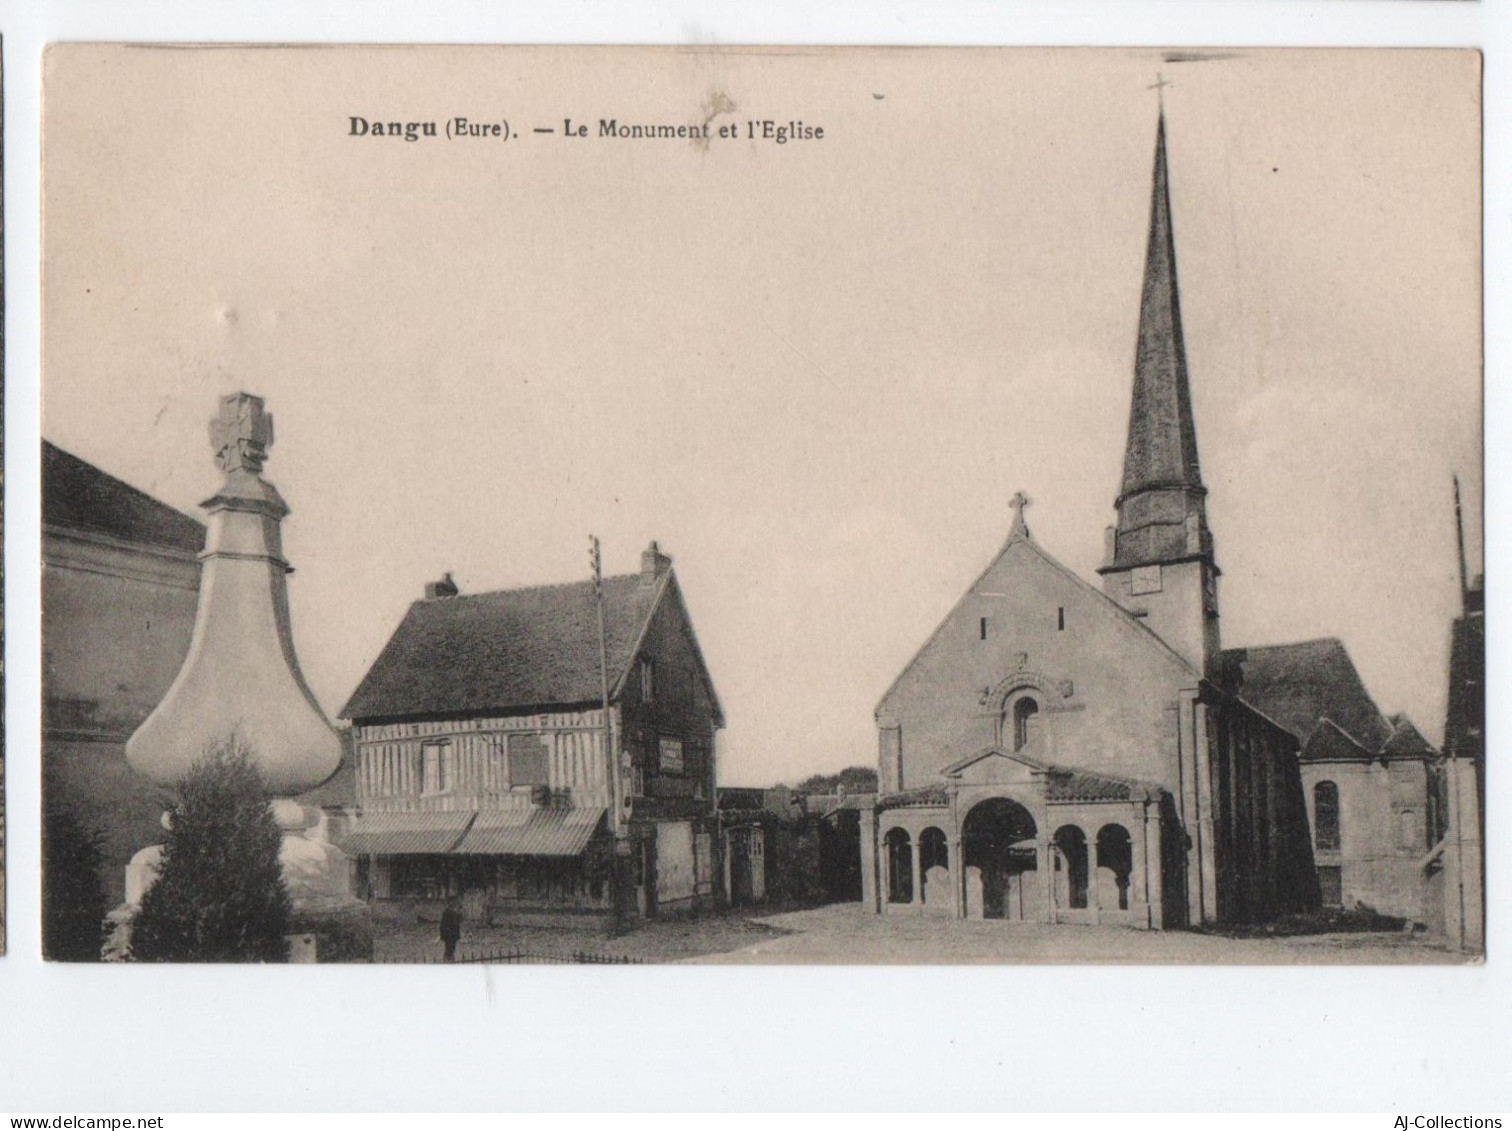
(899,866)
(1326,831)
(1071,867)
(1025,722)
(1115,864)
(998,852)
(934,867)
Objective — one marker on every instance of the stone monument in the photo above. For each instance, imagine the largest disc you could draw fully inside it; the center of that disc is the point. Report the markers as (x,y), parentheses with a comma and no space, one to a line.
(241,683)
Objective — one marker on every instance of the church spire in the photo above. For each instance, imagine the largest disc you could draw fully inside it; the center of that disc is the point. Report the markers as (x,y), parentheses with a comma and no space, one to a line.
(1159,562)
(1161,515)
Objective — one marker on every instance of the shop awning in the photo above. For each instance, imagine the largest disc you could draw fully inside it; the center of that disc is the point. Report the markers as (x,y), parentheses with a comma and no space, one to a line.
(401,834)
(531,832)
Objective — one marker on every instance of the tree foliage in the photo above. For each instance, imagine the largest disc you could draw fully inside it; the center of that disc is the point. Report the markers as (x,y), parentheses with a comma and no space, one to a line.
(856,779)
(73,891)
(219,895)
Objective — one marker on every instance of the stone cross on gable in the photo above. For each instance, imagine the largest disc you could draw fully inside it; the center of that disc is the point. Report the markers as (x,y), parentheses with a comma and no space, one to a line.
(241,433)
(1018,503)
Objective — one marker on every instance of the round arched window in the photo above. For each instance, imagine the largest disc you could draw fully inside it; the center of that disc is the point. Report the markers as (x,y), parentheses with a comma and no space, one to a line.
(1025,719)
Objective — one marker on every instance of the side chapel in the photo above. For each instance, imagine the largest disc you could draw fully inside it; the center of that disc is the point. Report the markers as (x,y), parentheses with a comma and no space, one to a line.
(1058,752)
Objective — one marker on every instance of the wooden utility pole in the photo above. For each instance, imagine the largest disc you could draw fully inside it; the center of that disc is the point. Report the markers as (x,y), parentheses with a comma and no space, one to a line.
(616,803)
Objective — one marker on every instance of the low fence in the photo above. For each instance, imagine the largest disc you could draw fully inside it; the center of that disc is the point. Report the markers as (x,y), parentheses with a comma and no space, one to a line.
(516,957)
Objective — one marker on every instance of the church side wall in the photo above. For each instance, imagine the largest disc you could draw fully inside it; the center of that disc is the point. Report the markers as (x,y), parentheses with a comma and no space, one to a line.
(1382,832)
(1262,848)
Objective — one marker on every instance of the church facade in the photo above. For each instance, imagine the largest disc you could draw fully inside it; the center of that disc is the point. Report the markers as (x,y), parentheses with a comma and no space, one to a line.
(1064,752)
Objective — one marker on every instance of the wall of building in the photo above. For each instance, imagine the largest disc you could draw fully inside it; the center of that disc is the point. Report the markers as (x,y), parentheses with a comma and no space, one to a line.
(391,757)
(117,618)
(676,708)
(1262,844)
(1383,832)
(1108,688)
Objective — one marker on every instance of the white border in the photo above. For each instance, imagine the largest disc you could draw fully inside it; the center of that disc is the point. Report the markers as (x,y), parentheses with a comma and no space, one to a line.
(76,1040)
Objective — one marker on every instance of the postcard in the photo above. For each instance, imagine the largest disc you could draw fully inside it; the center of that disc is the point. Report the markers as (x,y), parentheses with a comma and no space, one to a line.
(736,505)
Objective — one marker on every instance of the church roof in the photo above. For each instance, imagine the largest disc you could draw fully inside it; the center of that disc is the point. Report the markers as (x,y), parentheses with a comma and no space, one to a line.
(1329,743)
(920,797)
(1081,785)
(1300,685)
(1162,447)
(80,496)
(509,650)
(1020,536)
(1406,741)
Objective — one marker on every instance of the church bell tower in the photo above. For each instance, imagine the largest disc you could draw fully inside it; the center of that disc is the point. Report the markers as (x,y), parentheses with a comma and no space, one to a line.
(1159,561)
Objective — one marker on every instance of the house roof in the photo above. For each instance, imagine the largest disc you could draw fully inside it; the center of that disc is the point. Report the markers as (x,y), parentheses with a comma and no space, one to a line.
(508,650)
(1299,685)
(80,496)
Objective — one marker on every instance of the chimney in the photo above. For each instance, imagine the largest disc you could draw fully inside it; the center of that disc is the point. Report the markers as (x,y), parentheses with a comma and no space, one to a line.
(654,564)
(446,587)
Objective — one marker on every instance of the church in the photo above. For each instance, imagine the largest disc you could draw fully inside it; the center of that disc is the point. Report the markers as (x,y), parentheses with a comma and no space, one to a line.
(1059,751)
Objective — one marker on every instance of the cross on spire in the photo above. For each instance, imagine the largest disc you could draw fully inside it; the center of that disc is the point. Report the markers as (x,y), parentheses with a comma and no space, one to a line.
(1158,86)
(1018,503)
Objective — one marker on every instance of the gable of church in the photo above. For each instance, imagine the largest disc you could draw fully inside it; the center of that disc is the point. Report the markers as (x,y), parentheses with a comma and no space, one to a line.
(1102,686)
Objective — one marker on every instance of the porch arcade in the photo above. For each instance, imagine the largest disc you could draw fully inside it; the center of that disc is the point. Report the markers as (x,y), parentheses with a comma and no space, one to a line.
(1005,836)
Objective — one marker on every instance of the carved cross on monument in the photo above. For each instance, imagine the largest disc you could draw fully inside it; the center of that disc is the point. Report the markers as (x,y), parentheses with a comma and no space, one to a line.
(1018,503)
(241,433)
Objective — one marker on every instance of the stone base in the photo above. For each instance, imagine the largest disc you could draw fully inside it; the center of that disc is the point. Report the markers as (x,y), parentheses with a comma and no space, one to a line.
(335,934)
(329,923)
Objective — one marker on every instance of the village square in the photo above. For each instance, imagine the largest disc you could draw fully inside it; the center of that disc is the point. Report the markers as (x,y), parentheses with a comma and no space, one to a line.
(1071,766)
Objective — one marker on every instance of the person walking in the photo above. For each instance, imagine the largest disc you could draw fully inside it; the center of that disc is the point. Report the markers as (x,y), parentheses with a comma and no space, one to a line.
(451,929)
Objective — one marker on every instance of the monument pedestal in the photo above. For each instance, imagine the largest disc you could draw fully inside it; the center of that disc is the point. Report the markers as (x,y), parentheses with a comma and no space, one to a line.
(329,923)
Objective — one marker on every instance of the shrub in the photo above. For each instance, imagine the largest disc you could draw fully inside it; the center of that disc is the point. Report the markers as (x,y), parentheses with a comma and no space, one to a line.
(73,894)
(219,895)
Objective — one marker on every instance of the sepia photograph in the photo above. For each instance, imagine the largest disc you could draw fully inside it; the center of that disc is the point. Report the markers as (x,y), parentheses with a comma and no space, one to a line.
(846,506)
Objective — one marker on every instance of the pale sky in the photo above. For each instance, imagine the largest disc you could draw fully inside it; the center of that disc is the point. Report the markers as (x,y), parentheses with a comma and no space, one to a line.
(814,372)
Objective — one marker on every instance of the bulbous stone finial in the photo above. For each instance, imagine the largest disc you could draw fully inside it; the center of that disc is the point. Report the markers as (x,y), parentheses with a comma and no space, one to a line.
(241,678)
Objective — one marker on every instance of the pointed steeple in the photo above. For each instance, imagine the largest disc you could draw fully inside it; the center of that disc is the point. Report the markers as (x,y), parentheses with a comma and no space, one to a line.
(1161,514)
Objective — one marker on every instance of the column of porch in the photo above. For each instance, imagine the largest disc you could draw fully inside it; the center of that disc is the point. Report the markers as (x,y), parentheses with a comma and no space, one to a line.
(916,896)
(871,862)
(958,877)
(1094,898)
(1043,849)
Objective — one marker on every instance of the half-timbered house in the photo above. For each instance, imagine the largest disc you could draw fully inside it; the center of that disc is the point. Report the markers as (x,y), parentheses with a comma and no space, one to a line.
(487,768)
